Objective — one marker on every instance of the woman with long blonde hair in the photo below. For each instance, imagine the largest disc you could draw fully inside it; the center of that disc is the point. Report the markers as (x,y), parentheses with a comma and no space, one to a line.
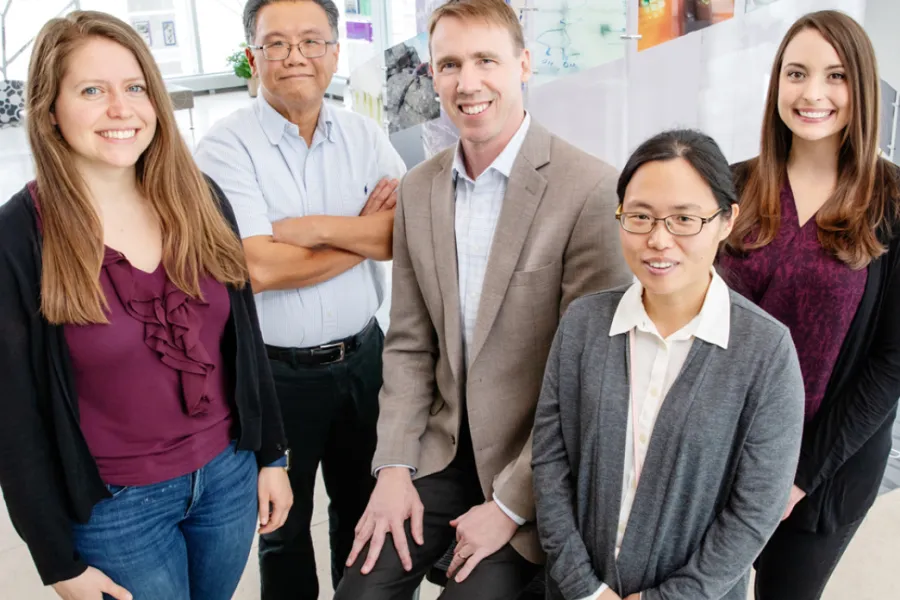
(141,437)
(817,245)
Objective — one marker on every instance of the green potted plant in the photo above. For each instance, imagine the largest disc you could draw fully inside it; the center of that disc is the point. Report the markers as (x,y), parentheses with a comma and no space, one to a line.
(238,61)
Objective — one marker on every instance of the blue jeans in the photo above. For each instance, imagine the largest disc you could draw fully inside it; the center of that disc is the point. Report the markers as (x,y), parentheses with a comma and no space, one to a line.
(183,539)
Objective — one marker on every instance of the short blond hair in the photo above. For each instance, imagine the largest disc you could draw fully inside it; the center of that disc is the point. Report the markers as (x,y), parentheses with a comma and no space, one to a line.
(495,12)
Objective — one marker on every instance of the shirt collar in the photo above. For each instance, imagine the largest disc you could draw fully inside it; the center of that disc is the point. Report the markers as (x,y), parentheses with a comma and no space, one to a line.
(275,126)
(503,164)
(712,324)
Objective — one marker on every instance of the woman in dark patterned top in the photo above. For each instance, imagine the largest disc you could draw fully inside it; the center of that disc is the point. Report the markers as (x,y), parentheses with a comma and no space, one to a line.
(816,245)
(140,434)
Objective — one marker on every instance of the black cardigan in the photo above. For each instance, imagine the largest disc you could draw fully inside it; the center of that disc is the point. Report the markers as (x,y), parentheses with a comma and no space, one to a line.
(847,443)
(47,473)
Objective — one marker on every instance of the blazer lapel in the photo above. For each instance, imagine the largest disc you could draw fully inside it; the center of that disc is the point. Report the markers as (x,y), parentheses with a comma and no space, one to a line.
(523,196)
(443,227)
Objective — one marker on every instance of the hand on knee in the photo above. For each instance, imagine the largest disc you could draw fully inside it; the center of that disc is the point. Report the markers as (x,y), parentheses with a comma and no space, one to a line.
(394,500)
(481,532)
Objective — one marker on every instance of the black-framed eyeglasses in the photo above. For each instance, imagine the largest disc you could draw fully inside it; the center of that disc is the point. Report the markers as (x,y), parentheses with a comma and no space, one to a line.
(642,223)
(314,48)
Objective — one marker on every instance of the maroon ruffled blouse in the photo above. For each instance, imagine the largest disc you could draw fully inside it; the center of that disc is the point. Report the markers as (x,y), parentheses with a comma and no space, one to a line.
(152,388)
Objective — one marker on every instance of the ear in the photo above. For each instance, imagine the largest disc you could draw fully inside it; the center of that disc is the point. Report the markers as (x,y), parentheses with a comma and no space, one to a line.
(526,65)
(337,57)
(251,58)
(53,117)
(729,224)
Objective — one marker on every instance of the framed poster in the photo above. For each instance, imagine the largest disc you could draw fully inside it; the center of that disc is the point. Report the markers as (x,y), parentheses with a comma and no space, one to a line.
(169,38)
(143,28)
(660,21)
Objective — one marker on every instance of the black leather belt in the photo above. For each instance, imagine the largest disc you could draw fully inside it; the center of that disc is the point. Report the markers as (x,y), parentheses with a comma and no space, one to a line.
(325,354)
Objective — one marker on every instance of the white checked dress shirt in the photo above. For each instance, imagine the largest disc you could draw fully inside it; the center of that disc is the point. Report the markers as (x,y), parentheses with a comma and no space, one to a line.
(478,204)
(655,364)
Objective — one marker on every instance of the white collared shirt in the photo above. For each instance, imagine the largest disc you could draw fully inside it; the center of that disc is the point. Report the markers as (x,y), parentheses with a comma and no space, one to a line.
(478,205)
(269,173)
(656,364)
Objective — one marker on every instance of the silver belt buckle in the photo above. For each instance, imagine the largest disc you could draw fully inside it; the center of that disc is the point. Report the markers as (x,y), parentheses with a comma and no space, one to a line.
(335,345)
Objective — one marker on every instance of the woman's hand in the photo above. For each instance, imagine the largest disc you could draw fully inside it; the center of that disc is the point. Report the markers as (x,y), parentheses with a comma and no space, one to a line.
(275,498)
(796,496)
(90,585)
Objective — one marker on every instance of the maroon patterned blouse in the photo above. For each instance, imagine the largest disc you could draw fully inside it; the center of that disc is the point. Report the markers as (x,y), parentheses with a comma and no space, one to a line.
(814,294)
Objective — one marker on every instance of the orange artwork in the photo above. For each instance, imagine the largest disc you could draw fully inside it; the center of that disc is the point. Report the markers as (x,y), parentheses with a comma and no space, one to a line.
(662,20)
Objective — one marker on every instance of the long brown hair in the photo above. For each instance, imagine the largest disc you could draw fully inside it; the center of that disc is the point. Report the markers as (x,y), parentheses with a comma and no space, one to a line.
(197,240)
(850,219)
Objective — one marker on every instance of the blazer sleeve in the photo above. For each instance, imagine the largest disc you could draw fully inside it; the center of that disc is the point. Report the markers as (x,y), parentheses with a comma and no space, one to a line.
(759,492)
(844,427)
(30,477)
(410,348)
(568,561)
(593,259)
(274,440)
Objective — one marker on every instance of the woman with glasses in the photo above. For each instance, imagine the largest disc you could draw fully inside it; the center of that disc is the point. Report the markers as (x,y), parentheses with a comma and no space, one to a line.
(667,430)
(817,245)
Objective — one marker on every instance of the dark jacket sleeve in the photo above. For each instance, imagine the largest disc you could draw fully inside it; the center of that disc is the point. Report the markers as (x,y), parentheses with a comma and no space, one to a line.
(568,561)
(844,427)
(30,476)
(274,440)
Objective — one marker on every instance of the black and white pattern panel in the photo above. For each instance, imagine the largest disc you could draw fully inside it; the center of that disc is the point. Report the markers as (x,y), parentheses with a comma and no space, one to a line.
(12,103)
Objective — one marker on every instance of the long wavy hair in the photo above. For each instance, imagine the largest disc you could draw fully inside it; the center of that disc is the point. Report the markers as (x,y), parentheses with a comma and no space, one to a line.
(863,201)
(197,240)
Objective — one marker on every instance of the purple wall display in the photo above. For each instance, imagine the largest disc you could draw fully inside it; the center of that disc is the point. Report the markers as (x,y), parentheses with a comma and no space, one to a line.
(359,30)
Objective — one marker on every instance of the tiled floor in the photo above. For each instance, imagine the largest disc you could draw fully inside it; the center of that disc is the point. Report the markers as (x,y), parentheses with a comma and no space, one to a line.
(866,573)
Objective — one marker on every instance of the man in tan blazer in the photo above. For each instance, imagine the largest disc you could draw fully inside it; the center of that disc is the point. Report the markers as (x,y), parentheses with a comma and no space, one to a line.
(492,240)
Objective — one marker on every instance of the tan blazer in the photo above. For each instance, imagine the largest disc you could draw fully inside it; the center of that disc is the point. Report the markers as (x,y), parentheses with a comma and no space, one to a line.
(556,239)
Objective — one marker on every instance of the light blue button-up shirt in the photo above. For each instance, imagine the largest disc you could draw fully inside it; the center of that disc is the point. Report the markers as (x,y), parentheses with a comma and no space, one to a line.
(268,173)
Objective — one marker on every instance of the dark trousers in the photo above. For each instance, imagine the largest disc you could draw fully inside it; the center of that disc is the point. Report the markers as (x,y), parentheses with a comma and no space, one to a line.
(796,565)
(330,413)
(445,496)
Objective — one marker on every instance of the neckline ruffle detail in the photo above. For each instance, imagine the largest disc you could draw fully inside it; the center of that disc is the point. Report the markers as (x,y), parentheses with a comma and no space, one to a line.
(171,326)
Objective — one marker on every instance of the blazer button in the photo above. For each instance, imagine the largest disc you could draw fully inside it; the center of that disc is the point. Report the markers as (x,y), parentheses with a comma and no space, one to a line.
(453,439)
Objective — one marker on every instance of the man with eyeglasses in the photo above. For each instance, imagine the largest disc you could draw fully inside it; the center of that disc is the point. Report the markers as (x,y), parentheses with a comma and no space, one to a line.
(313,187)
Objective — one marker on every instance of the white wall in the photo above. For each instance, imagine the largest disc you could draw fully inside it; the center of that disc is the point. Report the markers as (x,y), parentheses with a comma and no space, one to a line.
(882,23)
(714,79)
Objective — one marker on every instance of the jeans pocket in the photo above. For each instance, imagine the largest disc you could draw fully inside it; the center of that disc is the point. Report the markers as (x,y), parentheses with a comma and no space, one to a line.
(117,490)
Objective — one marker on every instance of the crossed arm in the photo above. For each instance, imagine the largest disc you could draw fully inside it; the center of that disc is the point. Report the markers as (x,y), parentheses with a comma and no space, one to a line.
(305,251)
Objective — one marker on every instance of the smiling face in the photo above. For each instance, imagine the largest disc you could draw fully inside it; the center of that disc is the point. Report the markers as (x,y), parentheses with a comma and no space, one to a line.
(102,109)
(813,95)
(478,74)
(296,81)
(668,265)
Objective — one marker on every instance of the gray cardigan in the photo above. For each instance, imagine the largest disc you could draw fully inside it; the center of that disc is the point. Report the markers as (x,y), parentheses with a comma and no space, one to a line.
(717,474)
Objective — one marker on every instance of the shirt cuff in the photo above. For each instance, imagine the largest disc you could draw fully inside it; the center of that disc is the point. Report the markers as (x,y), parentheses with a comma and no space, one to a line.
(516,518)
(603,587)
(281,462)
(412,471)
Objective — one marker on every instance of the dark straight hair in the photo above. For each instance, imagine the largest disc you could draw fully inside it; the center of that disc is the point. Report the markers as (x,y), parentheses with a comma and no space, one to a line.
(698,149)
(252,8)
